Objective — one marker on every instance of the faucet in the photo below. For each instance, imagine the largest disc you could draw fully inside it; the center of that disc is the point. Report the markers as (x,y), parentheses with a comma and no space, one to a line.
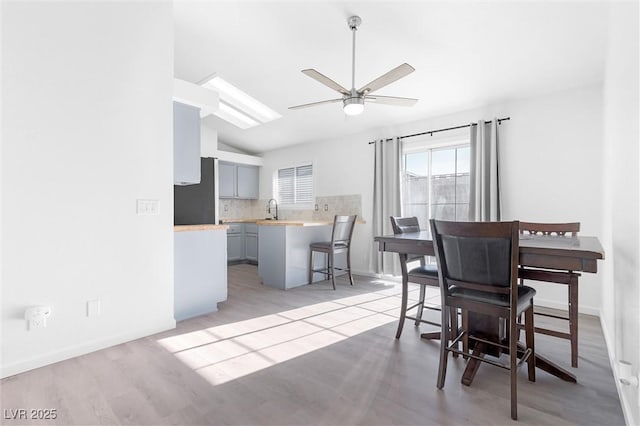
(269,208)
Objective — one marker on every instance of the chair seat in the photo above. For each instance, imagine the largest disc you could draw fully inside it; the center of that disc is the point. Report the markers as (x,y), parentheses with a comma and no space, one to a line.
(424,271)
(525,294)
(326,245)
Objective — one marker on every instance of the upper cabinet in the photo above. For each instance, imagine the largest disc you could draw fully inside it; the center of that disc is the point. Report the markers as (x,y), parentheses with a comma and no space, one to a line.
(186,144)
(227,180)
(238,181)
(247,181)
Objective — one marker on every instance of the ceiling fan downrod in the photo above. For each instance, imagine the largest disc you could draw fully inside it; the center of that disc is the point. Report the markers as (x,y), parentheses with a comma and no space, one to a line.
(353,22)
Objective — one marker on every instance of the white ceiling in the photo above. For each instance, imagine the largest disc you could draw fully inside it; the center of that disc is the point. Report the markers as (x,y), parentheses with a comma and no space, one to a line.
(466,54)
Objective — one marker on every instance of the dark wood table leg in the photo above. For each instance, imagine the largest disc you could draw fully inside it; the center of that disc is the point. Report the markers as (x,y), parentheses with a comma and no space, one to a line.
(546,365)
(541,362)
(551,368)
(405,294)
(573,320)
(473,364)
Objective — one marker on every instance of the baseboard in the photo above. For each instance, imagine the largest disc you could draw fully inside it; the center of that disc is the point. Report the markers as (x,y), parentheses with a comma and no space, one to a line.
(626,404)
(84,348)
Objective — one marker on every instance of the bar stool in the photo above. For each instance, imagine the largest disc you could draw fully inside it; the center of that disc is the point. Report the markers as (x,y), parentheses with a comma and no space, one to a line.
(565,277)
(478,270)
(340,243)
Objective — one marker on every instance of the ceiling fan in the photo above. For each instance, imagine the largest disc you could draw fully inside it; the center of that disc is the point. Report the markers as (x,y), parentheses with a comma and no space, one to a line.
(353,100)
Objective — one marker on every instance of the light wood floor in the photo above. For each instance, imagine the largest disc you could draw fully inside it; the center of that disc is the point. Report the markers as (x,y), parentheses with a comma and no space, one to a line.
(308,356)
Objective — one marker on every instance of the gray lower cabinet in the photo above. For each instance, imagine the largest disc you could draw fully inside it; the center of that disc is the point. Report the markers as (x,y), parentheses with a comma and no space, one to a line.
(235,247)
(284,254)
(242,242)
(238,181)
(235,242)
(251,242)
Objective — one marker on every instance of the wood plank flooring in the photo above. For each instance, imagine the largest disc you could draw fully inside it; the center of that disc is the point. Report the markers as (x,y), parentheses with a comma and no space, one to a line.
(307,356)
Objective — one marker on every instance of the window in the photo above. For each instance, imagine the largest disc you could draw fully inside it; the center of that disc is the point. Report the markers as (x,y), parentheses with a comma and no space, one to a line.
(294,185)
(435,183)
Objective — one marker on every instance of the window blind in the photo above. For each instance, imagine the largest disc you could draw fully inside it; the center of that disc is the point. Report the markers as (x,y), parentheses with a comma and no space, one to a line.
(295,185)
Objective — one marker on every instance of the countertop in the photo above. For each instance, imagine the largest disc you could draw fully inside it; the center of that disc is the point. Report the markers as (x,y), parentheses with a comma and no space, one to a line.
(240,220)
(284,222)
(294,222)
(203,227)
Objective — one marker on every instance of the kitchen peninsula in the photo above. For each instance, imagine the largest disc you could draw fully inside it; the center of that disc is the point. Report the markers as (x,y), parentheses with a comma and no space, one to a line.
(283,251)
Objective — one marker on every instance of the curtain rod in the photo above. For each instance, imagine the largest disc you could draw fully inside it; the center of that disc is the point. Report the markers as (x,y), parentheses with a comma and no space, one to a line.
(431,132)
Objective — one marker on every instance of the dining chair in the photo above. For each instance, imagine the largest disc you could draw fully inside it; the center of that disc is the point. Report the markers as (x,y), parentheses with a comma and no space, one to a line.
(340,243)
(566,277)
(478,273)
(424,275)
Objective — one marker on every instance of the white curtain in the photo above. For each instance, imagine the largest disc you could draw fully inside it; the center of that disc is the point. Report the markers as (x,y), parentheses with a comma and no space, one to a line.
(386,201)
(484,191)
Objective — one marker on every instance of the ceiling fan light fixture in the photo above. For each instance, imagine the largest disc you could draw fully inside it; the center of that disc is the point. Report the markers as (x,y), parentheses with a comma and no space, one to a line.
(353,106)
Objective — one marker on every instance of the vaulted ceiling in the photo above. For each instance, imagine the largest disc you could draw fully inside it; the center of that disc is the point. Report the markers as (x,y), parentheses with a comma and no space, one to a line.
(466,54)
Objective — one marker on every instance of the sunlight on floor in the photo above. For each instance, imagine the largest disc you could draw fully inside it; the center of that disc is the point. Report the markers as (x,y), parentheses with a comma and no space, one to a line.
(226,352)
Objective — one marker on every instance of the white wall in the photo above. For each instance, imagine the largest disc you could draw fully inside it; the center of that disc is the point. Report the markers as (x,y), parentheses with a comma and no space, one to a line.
(87,113)
(551,169)
(620,293)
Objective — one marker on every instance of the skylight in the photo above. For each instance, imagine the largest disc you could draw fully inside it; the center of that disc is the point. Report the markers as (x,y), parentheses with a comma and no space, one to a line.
(237,107)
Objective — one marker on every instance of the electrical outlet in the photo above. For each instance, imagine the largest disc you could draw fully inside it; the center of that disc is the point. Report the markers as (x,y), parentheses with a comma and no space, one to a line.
(37,322)
(36,316)
(93,308)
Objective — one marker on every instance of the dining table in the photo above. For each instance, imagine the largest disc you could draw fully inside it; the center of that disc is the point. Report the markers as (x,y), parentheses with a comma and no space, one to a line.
(574,253)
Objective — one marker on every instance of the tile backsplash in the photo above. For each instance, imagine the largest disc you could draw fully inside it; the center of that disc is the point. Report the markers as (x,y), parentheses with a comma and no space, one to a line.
(337,204)
(241,209)
(327,208)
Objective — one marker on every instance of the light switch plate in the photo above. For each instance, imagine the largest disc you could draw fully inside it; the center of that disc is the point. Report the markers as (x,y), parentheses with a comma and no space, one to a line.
(147,207)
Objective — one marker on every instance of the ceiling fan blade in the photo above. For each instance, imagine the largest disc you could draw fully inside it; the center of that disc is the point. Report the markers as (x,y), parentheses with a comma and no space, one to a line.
(330,101)
(391,100)
(395,74)
(326,81)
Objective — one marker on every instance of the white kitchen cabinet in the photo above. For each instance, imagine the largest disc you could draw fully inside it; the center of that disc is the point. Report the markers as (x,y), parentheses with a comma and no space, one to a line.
(238,181)
(186,144)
